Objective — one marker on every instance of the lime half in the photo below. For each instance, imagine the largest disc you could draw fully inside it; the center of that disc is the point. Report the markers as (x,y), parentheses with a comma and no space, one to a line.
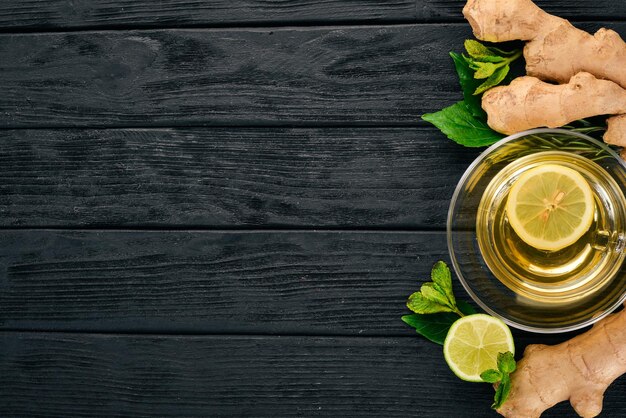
(473,343)
(550,207)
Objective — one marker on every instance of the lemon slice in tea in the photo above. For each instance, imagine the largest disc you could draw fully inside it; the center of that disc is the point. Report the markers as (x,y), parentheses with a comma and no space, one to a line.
(550,207)
(473,343)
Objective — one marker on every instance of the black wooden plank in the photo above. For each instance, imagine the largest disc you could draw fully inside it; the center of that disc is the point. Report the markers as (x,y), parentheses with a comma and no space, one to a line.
(142,376)
(311,283)
(370,178)
(253,76)
(356,75)
(575,10)
(216,282)
(47,14)
(256,282)
(59,14)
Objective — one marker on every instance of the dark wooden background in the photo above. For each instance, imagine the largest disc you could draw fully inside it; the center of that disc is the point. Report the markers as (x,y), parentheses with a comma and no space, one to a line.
(218,208)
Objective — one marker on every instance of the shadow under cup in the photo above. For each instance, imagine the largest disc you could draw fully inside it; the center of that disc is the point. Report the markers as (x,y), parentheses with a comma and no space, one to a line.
(491,293)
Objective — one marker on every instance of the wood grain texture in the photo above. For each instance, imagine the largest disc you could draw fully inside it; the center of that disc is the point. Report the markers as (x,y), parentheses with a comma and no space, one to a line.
(55,14)
(575,10)
(114,376)
(46,14)
(353,75)
(370,178)
(213,282)
(256,282)
(361,75)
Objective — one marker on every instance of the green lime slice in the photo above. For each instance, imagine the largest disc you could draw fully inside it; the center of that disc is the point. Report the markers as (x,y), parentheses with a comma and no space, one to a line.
(473,343)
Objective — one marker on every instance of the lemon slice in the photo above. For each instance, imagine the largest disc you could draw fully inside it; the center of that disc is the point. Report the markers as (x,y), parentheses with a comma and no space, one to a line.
(473,343)
(550,207)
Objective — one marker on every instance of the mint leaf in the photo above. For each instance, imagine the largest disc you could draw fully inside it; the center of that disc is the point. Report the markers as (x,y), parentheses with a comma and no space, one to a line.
(491,376)
(459,124)
(434,293)
(493,58)
(475,49)
(506,389)
(485,70)
(469,85)
(436,296)
(419,304)
(494,79)
(506,362)
(442,277)
(484,53)
(506,365)
(502,392)
(466,122)
(434,326)
(498,51)
(465,307)
(497,398)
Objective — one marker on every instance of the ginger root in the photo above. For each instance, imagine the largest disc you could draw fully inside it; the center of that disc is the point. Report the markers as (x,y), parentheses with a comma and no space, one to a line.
(556,50)
(531,103)
(579,370)
(616,132)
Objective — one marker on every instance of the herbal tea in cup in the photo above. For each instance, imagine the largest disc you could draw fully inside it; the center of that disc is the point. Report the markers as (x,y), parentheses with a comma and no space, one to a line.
(537,229)
(549,226)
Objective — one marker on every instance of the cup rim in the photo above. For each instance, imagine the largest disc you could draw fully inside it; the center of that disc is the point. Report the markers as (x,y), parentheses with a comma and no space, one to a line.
(457,191)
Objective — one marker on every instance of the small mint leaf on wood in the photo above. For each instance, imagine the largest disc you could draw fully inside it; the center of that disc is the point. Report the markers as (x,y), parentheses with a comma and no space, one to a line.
(442,277)
(459,124)
(434,293)
(433,327)
(420,305)
(468,85)
(465,307)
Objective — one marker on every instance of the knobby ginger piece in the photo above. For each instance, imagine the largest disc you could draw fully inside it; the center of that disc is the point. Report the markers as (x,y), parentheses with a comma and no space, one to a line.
(555,50)
(616,132)
(531,103)
(579,370)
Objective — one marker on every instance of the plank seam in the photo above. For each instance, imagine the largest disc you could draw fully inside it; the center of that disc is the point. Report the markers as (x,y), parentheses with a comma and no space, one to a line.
(418,123)
(191,334)
(232,229)
(261,26)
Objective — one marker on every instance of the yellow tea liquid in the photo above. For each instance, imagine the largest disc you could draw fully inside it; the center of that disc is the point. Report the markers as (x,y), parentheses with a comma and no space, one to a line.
(554,277)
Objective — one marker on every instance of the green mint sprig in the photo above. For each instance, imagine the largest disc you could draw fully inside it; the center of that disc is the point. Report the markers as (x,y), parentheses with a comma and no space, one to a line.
(501,377)
(435,306)
(490,64)
(436,309)
(435,296)
(465,122)
(459,124)
(483,67)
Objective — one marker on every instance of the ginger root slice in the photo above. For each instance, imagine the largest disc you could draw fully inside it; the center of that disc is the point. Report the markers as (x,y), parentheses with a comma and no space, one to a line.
(579,370)
(555,50)
(531,103)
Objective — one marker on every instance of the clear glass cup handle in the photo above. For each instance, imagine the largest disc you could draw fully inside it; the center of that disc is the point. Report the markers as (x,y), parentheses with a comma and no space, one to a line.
(609,241)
